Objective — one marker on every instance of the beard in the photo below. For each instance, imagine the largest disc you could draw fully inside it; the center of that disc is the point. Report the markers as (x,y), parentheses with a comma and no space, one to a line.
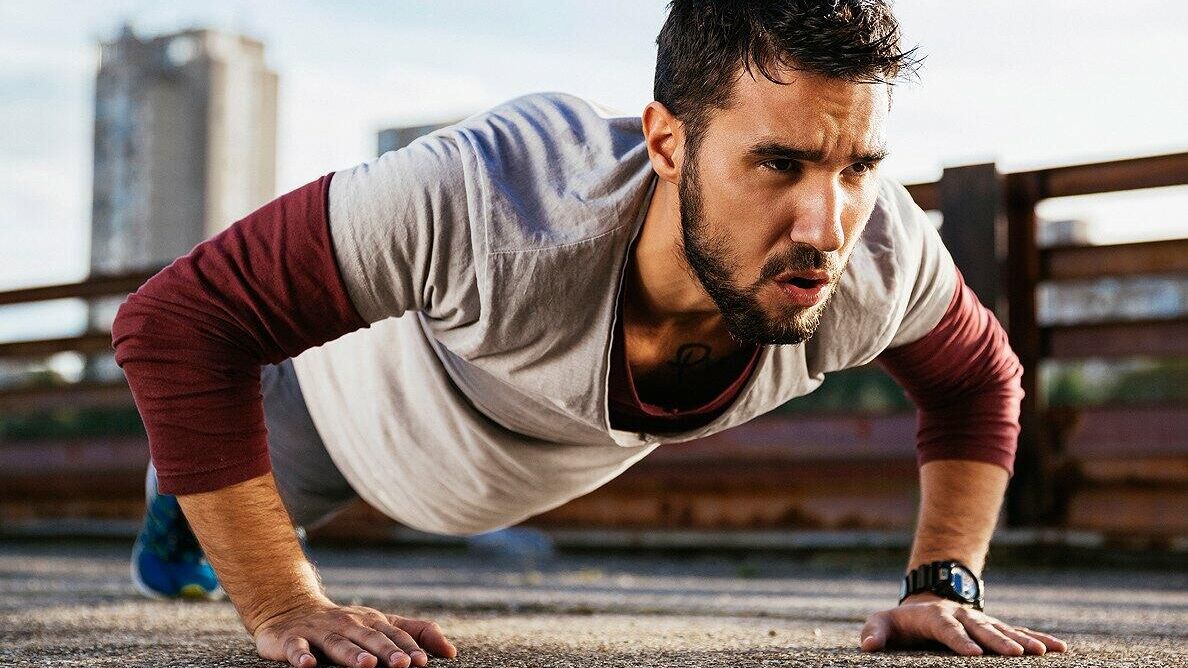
(710,256)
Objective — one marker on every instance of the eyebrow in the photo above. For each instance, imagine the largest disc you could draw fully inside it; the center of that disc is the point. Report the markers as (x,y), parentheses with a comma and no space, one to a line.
(776,149)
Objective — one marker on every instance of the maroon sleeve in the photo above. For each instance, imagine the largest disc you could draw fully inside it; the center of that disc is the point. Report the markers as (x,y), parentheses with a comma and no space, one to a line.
(192,339)
(965,381)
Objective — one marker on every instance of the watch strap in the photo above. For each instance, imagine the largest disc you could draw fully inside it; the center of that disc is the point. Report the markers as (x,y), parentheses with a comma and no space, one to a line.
(926,577)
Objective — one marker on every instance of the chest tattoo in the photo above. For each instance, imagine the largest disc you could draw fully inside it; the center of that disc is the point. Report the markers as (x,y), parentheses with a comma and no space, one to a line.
(690,359)
(690,376)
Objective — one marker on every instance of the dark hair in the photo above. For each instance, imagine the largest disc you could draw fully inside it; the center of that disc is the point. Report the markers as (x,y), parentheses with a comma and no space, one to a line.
(704,43)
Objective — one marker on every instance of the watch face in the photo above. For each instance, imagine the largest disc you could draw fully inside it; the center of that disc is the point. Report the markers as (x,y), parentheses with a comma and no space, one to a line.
(964,583)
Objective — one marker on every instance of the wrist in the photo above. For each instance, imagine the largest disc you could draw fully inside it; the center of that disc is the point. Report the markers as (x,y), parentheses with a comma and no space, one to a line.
(279,595)
(929,597)
(270,611)
(943,579)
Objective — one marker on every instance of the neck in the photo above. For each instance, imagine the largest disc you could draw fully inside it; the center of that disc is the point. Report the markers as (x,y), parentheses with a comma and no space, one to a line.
(660,289)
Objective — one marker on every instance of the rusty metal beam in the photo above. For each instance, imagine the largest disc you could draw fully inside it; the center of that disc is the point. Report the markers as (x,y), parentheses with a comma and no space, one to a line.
(87,343)
(75,487)
(1150,257)
(97,286)
(1131,432)
(1128,509)
(1149,172)
(1160,472)
(84,394)
(1154,338)
(773,439)
(103,468)
(775,472)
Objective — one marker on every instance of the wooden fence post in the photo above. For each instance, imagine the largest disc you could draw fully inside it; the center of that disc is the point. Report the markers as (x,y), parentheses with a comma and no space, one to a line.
(971,202)
(1029,499)
(990,230)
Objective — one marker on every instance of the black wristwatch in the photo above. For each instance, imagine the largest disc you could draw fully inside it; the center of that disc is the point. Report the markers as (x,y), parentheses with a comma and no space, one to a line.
(949,579)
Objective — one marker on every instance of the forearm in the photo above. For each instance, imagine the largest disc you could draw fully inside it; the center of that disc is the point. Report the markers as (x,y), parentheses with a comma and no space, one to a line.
(249,540)
(959,506)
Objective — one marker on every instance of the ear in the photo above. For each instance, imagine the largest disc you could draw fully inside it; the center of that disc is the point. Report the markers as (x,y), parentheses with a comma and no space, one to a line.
(665,138)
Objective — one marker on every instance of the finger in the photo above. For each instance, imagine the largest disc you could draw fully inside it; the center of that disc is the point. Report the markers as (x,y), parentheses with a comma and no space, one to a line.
(387,652)
(298,653)
(427,634)
(405,642)
(1053,643)
(981,630)
(1029,644)
(950,632)
(341,650)
(873,637)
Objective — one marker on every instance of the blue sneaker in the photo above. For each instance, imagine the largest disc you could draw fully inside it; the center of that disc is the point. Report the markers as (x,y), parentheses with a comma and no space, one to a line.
(167,561)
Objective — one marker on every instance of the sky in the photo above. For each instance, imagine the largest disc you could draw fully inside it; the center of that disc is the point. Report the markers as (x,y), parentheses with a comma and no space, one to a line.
(1025,83)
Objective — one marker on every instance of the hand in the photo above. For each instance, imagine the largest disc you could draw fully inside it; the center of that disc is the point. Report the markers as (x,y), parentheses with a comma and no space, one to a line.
(350,636)
(927,617)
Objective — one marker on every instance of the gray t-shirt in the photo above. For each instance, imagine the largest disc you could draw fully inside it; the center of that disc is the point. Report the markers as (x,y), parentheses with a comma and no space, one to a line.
(490,255)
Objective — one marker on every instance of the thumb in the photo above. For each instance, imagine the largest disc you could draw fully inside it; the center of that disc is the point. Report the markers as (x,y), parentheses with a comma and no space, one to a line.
(874,634)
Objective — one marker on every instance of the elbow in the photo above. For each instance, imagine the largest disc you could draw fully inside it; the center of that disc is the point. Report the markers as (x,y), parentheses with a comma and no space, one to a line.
(128,324)
(134,323)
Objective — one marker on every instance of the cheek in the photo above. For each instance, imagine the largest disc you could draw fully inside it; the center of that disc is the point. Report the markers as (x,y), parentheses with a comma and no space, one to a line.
(735,211)
(855,217)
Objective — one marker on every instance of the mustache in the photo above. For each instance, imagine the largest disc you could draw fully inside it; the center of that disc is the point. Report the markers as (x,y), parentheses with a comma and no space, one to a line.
(801,257)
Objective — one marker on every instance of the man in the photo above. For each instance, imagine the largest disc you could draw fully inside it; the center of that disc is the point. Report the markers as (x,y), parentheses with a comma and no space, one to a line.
(552,294)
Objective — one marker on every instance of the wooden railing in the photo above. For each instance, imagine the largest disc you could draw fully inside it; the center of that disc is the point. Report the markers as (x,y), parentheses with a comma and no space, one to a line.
(1120,469)
(1067,472)
(1070,459)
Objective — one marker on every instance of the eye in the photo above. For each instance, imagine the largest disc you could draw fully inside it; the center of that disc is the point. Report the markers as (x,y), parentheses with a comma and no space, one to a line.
(780,164)
(862,167)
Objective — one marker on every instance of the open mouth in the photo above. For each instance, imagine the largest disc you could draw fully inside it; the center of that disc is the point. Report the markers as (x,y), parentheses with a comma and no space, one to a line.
(805,283)
(803,290)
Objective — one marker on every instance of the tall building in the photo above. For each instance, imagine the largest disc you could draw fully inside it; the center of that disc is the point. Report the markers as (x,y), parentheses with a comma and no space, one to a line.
(394,139)
(185,144)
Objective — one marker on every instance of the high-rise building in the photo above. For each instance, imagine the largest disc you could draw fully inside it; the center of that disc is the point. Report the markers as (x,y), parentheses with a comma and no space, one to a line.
(394,139)
(185,144)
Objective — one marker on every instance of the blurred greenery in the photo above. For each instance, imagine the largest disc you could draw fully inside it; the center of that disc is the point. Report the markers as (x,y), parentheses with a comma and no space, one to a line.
(865,389)
(71,423)
(1133,381)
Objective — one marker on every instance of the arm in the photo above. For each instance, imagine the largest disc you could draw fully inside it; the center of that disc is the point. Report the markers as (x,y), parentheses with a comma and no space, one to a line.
(964,380)
(264,572)
(959,504)
(191,342)
(246,534)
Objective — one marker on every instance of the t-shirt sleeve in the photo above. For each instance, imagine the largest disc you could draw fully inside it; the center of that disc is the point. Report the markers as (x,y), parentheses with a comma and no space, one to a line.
(400,228)
(927,267)
(317,263)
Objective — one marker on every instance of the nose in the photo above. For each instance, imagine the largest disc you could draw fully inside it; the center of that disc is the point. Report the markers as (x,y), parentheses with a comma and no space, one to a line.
(818,219)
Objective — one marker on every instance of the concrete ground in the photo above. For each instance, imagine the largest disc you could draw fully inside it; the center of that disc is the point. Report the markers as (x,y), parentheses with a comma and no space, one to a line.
(71,604)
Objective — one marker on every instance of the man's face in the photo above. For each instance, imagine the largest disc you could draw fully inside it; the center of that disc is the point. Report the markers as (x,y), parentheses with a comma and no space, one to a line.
(776,194)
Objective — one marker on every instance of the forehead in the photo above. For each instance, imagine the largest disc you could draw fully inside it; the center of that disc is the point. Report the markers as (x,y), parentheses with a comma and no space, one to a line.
(806,109)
